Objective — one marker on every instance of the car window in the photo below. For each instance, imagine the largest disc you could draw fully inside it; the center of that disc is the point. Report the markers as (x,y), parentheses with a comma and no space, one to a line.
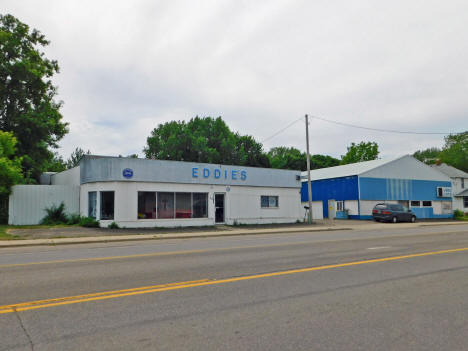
(380,207)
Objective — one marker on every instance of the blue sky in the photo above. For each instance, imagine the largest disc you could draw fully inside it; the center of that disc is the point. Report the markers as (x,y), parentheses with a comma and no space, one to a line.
(127,66)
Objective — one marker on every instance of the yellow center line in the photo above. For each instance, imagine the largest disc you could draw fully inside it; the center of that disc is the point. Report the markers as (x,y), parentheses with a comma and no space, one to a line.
(182,252)
(25,306)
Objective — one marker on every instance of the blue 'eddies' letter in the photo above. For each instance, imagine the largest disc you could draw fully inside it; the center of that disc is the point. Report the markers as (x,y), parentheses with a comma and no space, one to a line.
(194,172)
(206,172)
(243,175)
(217,173)
(234,175)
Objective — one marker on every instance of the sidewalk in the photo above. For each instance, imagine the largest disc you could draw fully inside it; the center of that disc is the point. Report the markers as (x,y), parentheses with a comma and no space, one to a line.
(138,235)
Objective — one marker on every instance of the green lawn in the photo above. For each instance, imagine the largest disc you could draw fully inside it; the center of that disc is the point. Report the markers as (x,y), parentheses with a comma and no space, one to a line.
(5,236)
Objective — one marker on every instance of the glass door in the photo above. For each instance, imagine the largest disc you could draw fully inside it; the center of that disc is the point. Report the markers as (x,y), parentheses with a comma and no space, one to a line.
(219,208)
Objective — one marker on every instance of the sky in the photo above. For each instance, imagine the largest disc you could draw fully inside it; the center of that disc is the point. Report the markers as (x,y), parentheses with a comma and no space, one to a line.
(127,66)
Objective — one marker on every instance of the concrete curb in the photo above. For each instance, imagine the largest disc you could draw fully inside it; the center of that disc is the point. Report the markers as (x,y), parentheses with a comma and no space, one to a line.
(141,237)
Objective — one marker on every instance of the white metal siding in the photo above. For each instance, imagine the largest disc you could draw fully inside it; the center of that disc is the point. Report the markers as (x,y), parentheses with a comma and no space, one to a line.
(68,177)
(27,202)
(367,206)
(352,206)
(242,203)
(317,210)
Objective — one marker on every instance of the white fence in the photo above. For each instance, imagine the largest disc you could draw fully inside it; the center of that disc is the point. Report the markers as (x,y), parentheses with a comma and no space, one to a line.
(28,202)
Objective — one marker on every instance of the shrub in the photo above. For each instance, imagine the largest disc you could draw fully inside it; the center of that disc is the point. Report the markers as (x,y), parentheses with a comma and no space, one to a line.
(458,214)
(74,219)
(113,225)
(55,215)
(89,222)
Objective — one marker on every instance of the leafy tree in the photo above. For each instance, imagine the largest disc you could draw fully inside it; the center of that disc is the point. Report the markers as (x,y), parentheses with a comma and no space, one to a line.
(75,157)
(455,151)
(291,158)
(204,140)
(364,151)
(27,105)
(323,161)
(287,158)
(55,163)
(428,156)
(10,165)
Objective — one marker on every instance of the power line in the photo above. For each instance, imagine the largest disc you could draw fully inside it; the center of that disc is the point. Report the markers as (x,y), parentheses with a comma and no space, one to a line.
(282,130)
(377,129)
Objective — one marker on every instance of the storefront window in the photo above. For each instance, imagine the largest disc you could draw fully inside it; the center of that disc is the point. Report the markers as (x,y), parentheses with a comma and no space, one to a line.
(107,205)
(92,202)
(427,203)
(269,201)
(200,205)
(146,205)
(165,205)
(183,205)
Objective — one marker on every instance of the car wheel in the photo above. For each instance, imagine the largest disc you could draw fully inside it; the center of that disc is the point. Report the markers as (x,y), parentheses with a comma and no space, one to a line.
(413,219)
(394,220)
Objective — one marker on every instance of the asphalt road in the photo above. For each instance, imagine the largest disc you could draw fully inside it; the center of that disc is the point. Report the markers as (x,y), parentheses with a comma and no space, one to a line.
(396,289)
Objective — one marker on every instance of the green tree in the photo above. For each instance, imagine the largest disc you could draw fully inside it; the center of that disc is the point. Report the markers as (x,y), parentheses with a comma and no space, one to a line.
(75,157)
(27,105)
(291,158)
(455,151)
(428,156)
(323,161)
(364,151)
(10,165)
(204,140)
(55,164)
(283,157)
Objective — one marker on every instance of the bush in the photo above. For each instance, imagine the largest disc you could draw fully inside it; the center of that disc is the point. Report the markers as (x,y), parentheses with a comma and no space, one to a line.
(55,215)
(74,219)
(113,225)
(89,222)
(458,214)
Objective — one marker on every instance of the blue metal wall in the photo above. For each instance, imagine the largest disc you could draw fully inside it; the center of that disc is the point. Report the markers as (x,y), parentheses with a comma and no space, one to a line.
(345,188)
(401,189)
(381,189)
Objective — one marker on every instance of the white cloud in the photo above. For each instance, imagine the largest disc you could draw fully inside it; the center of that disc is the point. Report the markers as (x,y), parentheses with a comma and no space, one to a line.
(127,66)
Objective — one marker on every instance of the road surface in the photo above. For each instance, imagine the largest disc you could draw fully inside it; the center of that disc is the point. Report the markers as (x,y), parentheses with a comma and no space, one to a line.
(396,289)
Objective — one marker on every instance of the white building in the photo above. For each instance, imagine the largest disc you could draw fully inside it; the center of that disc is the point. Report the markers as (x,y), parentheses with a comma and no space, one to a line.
(459,185)
(154,193)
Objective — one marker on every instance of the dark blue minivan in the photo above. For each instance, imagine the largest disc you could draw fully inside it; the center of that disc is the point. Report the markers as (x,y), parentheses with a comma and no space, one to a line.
(392,213)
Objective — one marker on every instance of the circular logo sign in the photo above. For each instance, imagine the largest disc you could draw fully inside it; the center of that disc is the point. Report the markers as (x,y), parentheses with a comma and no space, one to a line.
(127,173)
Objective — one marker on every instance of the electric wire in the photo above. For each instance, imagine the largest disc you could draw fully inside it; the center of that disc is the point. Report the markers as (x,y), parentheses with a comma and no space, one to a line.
(377,129)
(356,126)
(282,130)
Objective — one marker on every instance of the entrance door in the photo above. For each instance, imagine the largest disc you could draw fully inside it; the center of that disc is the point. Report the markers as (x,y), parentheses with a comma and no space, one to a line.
(219,208)
(331,209)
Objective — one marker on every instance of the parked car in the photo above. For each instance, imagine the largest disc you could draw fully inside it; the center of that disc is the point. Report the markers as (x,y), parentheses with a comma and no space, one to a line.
(392,213)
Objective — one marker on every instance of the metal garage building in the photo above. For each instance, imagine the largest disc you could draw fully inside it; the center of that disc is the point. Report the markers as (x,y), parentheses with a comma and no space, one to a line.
(351,191)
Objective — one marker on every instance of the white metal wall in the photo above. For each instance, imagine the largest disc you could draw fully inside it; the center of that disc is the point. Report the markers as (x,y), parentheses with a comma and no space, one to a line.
(352,206)
(368,205)
(317,210)
(27,202)
(68,177)
(242,203)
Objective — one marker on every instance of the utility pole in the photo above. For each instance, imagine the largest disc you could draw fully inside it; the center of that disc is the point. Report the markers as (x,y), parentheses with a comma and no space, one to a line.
(309,188)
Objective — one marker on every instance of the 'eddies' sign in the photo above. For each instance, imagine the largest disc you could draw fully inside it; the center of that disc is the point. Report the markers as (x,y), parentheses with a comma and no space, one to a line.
(218,174)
